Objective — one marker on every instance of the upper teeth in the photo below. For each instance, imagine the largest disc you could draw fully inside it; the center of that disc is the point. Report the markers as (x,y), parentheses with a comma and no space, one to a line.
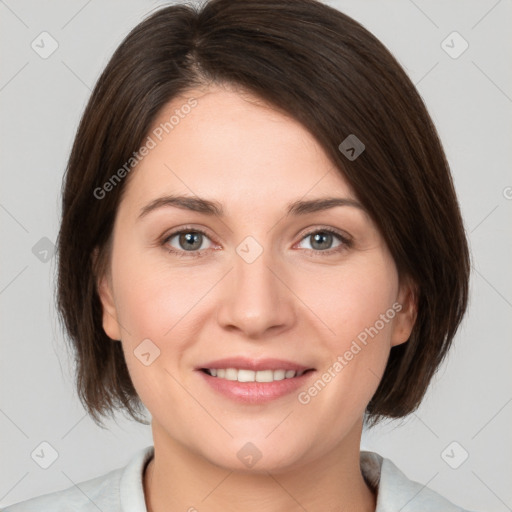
(253,376)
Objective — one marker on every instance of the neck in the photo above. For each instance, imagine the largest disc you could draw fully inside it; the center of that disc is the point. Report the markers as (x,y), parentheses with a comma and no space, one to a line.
(179,479)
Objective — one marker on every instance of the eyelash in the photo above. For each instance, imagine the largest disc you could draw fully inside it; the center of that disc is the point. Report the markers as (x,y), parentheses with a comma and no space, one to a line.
(346,242)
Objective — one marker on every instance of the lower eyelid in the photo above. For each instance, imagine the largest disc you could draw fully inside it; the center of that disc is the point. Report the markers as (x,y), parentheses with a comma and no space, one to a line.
(343,245)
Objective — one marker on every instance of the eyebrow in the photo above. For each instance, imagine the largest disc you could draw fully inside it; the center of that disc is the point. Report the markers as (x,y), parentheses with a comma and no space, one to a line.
(214,208)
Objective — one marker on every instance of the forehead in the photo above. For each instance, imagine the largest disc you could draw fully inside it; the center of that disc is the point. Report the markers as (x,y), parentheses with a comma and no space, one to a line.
(233,147)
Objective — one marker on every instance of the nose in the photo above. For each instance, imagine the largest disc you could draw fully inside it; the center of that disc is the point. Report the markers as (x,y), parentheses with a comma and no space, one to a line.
(256,297)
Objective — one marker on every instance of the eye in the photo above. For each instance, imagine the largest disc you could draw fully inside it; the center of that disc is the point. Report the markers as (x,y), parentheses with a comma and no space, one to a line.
(188,242)
(322,240)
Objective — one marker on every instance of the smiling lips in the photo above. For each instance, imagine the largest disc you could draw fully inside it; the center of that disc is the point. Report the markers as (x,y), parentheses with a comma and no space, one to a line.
(254,380)
(254,370)
(242,375)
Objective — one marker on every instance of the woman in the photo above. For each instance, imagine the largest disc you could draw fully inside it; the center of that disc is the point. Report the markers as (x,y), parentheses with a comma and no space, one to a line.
(261,244)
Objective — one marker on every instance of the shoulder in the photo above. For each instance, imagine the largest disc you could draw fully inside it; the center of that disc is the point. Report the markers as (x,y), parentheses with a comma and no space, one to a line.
(397,492)
(101,493)
(107,492)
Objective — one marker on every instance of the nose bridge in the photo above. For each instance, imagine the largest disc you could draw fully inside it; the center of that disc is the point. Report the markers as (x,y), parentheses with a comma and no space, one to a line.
(255,299)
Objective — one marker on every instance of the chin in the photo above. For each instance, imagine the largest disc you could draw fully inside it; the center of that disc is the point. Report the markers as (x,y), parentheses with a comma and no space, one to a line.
(256,458)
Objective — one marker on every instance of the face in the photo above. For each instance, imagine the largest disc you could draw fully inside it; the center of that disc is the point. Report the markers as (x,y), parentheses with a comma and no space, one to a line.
(313,287)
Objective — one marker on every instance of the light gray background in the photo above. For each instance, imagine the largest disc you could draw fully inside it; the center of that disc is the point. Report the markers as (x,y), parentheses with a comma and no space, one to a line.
(470,100)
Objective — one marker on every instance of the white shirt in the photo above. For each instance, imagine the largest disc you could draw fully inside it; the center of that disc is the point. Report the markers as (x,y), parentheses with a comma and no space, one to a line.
(121,490)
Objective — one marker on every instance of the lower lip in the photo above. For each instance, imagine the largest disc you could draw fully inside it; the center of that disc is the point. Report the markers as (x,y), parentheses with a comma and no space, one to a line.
(255,392)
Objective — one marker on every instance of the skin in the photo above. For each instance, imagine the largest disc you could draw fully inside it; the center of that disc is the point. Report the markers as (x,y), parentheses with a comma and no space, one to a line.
(293,302)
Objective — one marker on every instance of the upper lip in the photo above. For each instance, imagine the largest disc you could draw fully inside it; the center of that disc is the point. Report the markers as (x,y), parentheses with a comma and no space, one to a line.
(244,363)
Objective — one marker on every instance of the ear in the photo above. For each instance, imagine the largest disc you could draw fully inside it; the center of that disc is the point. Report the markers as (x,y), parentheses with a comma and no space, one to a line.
(104,286)
(407,311)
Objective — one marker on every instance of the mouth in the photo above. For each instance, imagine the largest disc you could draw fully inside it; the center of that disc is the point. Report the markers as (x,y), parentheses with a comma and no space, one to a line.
(253,380)
(247,375)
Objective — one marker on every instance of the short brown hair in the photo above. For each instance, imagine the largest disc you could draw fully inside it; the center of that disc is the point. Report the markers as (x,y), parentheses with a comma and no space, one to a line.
(328,72)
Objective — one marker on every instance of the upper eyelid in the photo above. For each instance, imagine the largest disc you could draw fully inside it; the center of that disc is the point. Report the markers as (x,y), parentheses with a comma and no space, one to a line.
(185,229)
(335,231)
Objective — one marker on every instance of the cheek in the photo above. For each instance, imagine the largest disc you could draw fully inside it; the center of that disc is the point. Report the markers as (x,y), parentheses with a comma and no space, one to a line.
(356,304)
(155,303)
(152,299)
(350,299)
